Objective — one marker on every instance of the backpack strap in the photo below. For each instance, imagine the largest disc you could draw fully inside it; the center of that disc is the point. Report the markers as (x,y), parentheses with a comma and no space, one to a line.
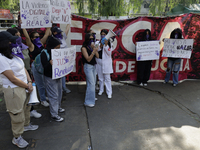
(47,54)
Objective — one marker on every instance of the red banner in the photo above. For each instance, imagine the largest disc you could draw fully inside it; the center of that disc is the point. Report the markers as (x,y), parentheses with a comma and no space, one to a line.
(128,32)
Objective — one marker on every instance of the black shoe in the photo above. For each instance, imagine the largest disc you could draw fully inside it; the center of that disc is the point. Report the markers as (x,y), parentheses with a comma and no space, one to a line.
(57,118)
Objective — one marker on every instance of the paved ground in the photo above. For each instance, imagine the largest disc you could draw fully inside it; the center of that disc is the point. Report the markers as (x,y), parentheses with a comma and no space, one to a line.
(159,117)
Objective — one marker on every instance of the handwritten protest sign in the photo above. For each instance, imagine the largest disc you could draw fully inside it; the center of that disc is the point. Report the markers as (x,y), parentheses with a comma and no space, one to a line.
(63,61)
(148,50)
(178,48)
(60,11)
(35,13)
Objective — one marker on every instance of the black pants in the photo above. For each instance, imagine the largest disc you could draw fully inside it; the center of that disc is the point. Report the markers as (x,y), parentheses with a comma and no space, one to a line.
(143,71)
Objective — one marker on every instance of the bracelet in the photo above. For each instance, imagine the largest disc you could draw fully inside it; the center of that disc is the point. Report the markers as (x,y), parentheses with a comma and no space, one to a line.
(93,53)
(29,81)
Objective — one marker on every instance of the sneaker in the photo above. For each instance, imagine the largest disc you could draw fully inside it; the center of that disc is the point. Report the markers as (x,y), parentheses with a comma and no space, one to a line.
(164,82)
(57,118)
(145,84)
(96,99)
(67,90)
(109,96)
(35,114)
(60,110)
(100,93)
(173,85)
(45,103)
(31,127)
(20,142)
(141,84)
(89,105)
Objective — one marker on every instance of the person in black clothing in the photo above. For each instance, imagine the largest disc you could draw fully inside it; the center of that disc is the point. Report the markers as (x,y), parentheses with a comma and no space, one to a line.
(89,52)
(144,67)
(53,87)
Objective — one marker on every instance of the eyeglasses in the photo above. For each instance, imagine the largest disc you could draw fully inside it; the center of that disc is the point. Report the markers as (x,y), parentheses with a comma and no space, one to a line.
(36,37)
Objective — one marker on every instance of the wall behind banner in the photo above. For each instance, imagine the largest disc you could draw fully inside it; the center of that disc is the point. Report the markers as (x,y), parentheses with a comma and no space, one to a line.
(128,32)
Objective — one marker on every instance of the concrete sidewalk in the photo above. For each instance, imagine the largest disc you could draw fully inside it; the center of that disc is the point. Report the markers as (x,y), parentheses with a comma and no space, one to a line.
(158,117)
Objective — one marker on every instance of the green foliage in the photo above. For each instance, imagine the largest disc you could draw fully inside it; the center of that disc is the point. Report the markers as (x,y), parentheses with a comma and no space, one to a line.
(123,7)
(9,4)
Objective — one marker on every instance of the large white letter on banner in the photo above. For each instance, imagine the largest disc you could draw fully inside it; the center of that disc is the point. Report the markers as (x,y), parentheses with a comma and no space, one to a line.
(130,31)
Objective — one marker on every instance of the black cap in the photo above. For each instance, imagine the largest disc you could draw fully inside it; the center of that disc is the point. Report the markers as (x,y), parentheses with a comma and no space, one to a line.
(4,35)
(56,29)
(52,42)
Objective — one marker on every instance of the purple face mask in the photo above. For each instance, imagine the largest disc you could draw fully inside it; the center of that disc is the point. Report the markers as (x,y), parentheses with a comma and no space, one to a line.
(59,36)
(16,50)
(21,45)
(90,42)
(102,36)
(176,35)
(147,36)
(37,42)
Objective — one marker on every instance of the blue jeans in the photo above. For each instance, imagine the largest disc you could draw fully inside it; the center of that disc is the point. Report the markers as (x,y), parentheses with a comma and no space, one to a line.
(39,80)
(174,66)
(90,73)
(63,83)
(54,93)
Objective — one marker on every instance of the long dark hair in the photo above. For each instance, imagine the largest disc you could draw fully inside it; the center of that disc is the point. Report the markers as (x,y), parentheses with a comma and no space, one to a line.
(179,31)
(5,49)
(87,39)
(32,34)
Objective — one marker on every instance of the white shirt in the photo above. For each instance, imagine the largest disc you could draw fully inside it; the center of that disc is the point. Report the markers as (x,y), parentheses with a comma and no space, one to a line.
(15,64)
(63,40)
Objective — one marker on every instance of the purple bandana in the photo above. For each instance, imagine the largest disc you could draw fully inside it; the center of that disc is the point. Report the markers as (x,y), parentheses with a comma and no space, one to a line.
(37,42)
(21,45)
(59,36)
(16,50)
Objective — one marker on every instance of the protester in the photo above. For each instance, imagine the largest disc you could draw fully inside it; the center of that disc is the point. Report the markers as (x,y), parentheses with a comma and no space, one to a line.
(89,52)
(173,64)
(53,86)
(57,32)
(15,80)
(144,67)
(36,45)
(21,50)
(104,65)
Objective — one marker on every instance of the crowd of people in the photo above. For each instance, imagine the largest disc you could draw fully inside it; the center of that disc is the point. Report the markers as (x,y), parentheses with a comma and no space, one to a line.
(18,72)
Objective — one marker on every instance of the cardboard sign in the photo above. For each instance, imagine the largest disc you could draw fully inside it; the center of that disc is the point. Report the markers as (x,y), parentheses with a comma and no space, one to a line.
(178,48)
(35,13)
(147,50)
(63,61)
(60,11)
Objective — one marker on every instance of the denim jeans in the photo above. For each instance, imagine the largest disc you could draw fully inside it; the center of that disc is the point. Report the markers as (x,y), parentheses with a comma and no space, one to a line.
(90,73)
(39,80)
(174,66)
(63,84)
(54,93)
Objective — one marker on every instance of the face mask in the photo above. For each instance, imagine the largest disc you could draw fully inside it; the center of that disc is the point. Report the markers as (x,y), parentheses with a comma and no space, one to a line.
(147,36)
(102,36)
(16,50)
(94,35)
(37,42)
(59,36)
(21,45)
(176,35)
(90,42)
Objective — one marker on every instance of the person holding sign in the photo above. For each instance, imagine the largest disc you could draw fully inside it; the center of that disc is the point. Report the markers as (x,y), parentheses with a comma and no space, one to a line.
(144,67)
(104,65)
(57,32)
(173,64)
(36,45)
(16,81)
(89,53)
(53,87)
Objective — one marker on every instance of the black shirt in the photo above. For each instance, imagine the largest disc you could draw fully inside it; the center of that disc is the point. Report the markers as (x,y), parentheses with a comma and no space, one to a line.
(93,61)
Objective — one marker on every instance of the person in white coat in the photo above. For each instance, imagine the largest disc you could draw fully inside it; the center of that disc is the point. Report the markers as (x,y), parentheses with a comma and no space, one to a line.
(104,66)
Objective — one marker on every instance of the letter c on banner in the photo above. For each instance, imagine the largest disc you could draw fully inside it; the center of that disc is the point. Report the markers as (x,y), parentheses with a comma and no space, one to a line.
(127,36)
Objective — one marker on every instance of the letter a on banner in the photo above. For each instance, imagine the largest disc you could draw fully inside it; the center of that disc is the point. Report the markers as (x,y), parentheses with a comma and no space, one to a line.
(35,13)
